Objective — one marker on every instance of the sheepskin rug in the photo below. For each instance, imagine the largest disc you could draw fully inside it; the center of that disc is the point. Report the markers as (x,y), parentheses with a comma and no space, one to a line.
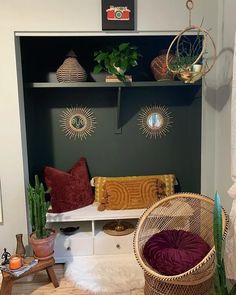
(106,274)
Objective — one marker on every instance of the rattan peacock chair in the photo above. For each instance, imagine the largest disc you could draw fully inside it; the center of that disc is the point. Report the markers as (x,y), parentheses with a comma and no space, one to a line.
(184,211)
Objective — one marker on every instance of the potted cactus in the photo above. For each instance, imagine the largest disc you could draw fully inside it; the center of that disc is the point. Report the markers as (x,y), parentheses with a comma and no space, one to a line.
(220,281)
(41,239)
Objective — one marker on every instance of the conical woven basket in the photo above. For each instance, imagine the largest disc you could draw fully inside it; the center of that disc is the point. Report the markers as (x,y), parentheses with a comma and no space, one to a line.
(71,70)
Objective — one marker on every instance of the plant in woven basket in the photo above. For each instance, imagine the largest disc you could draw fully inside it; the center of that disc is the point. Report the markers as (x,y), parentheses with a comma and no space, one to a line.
(220,276)
(117,61)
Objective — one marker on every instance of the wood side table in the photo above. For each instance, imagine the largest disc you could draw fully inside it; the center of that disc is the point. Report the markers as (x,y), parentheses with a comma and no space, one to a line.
(8,279)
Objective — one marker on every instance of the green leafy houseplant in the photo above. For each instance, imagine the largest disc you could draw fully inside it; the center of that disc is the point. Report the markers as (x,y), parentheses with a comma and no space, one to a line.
(220,276)
(182,62)
(187,53)
(117,61)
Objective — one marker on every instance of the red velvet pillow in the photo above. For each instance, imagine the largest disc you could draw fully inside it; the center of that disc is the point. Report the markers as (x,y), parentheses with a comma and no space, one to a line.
(173,252)
(69,190)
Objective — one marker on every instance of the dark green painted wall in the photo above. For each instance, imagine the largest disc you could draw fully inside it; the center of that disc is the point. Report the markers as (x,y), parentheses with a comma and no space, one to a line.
(108,153)
(128,153)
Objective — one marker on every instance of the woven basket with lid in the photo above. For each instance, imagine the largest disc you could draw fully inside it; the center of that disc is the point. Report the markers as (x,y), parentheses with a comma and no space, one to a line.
(71,70)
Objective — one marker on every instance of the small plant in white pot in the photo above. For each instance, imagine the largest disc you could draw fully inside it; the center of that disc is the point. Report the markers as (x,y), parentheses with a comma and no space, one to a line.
(42,239)
(117,61)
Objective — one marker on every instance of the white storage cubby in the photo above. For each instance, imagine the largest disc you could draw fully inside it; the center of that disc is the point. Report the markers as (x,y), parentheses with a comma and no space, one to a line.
(90,239)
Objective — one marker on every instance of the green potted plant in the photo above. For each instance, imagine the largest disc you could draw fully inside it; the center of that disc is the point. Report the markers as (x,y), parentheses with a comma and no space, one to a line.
(184,63)
(42,239)
(220,282)
(117,61)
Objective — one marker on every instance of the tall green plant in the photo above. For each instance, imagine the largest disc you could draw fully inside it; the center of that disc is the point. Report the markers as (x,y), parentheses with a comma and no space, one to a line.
(220,277)
(38,208)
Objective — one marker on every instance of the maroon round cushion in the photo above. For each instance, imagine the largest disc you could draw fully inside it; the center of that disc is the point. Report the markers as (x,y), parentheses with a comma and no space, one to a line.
(172,252)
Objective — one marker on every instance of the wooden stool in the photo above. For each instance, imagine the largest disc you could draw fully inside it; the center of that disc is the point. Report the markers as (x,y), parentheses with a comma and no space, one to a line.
(8,279)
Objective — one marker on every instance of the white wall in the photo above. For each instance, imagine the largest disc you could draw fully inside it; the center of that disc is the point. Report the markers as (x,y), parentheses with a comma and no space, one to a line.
(226,31)
(77,16)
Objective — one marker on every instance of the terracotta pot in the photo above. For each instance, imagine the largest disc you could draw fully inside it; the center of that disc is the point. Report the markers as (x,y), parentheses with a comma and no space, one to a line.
(43,248)
(159,67)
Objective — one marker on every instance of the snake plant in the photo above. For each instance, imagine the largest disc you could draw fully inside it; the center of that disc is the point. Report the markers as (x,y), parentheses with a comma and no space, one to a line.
(220,276)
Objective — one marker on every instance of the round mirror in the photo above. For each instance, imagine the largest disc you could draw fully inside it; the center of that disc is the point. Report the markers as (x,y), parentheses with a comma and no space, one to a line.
(154,121)
(77,122)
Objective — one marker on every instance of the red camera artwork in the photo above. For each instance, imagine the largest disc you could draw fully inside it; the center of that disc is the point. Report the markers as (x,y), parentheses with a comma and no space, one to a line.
(121,13)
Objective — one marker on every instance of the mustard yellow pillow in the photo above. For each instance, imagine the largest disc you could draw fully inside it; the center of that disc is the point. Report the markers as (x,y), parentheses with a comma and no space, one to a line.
(131,194)
(100,181)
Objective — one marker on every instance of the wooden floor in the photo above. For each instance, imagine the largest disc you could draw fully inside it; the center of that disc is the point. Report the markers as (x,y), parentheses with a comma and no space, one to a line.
(38,284)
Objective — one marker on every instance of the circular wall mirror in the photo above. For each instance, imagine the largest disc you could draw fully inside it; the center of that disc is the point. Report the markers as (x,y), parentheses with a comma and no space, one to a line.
(154,121)
(77,122)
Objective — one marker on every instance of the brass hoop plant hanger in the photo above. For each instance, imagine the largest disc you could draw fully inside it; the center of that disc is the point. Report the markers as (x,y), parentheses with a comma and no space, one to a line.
(188,74)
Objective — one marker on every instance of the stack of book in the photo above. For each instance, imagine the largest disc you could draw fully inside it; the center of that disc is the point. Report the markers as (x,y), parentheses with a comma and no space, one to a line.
(113,78)
(18,272)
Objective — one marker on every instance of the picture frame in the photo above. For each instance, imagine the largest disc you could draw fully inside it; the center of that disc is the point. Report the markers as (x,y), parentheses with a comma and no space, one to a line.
(118,15)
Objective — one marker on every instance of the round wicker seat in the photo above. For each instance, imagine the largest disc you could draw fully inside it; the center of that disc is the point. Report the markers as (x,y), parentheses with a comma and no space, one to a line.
(184,211)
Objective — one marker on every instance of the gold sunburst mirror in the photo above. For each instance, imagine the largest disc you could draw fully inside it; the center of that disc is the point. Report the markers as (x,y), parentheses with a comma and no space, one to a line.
(77,122)
(154,121)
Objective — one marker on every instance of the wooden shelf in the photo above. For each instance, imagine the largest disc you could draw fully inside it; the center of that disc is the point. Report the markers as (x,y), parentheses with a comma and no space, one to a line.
(166,83)
(117,85)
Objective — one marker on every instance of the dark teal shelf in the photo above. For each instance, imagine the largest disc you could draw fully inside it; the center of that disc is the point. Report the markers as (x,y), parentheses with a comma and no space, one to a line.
(166,83)
(117,85)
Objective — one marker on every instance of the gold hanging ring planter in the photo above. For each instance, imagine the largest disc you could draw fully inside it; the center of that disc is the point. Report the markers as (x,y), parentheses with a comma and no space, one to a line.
(189,4)
(191,73)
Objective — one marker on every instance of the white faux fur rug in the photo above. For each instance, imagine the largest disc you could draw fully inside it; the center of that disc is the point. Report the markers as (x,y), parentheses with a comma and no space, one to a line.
(107,274)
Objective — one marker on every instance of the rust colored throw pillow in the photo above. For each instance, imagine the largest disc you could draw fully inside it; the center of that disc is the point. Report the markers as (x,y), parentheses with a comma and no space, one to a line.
(172,252)
(69,190)
(131,194)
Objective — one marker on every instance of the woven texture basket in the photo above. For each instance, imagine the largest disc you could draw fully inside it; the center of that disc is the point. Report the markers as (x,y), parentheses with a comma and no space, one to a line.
(71,70)
(185,211)
(159,68)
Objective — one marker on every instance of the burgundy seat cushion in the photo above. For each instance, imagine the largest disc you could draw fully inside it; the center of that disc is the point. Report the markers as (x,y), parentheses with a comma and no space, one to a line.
(173,252)
(69,190)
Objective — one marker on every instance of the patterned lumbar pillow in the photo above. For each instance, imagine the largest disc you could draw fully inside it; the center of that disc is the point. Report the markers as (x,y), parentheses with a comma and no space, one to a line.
(131,194)
(100,181)
(69,190)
